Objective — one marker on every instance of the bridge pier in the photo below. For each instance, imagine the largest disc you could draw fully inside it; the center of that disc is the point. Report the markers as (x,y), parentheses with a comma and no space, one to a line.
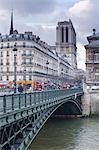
(86,101)
(90,101)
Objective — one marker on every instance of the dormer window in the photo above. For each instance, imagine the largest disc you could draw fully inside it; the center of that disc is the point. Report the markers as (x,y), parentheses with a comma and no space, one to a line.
(24,44)
(7,53)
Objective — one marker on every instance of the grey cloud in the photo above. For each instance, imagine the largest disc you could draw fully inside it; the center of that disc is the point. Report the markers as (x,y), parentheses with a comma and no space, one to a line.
(84,22)
(46,34)
(29,6)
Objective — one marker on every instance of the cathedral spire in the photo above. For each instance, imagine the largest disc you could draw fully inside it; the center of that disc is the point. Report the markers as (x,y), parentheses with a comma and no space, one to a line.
(11,27)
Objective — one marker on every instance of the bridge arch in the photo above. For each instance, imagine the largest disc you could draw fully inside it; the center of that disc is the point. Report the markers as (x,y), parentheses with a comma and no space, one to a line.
(69,107)
(50,112)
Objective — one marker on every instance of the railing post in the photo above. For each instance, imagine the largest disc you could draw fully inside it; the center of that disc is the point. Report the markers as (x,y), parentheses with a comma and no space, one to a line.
(38,100)
(25,99)
(42,96)
(12,102)
(4,104)
(19,102)
(34,98)
(30,99)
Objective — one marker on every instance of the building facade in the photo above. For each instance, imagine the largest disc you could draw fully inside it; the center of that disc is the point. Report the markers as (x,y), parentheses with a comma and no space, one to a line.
(35,60)
(92,59)
(66,42)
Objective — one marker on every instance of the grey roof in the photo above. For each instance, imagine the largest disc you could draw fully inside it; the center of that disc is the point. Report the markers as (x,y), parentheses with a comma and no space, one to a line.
(93,44)
(96,34)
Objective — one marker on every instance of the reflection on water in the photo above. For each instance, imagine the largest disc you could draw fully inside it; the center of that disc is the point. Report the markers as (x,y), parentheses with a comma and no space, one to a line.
(68,134)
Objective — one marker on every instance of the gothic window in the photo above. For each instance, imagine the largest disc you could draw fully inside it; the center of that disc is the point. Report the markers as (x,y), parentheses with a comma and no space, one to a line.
(66,34)
(62,34)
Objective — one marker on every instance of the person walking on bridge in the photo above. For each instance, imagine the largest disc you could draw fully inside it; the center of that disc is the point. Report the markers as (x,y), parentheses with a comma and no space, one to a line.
(20,89)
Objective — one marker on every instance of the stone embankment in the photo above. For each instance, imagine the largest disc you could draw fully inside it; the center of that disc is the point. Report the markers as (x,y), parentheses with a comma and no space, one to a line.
(90,101)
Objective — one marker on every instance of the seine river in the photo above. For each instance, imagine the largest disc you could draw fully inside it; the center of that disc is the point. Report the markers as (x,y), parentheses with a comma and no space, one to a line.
(68,134)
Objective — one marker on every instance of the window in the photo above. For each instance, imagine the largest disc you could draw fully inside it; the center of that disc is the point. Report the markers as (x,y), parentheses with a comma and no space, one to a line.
(0,77)
(1,54)
(1,62)
(1,46)
(97,77)
(96,57)
(7,63)
(7,53)
(29,77)
(7,77)
(97,70)
(24,44)
(7,45)
(7,69)
(15,44)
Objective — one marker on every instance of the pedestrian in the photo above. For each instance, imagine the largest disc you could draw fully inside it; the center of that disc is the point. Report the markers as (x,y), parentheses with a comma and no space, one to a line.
(30,89)
(20,89)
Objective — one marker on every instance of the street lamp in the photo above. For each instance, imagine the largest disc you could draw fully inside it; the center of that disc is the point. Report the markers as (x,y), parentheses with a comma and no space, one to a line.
(15,54)
(47,63)
(25,79)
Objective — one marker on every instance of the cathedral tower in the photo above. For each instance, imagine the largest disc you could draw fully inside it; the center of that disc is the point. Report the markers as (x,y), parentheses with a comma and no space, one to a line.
(66,42)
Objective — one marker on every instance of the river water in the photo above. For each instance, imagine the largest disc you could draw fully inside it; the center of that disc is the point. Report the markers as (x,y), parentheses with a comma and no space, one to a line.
(68,134)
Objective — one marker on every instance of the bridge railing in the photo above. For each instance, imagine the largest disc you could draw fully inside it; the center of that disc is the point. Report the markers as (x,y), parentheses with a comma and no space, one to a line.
(10,103)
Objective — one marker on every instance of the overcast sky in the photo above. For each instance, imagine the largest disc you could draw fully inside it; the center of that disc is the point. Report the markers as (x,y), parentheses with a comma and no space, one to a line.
(41,17)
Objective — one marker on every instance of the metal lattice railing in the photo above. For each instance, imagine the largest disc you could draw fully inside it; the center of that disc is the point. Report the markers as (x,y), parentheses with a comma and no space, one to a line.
(10,103)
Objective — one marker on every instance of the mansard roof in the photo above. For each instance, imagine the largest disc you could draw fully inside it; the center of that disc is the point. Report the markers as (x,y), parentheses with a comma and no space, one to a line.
(93,44)
(93,37)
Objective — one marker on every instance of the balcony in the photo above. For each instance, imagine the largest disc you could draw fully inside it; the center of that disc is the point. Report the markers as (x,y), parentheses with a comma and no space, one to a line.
(27,55)
(27,63)
(23,55)
(23,63)
(26,46)
(92,61)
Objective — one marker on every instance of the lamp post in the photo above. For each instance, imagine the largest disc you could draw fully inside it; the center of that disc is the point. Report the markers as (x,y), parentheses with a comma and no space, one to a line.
(15,54)
(47,63)
(93,67)
(25,79)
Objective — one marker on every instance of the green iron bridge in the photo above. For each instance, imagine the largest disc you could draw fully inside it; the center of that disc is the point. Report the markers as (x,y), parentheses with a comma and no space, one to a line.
(23,115)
